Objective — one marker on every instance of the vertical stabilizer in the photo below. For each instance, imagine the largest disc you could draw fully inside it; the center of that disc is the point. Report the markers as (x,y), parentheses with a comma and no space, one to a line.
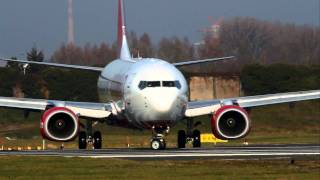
(123,49)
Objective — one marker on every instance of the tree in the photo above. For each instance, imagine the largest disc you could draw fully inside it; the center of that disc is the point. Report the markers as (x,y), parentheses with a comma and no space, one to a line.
(145,46)
(13,65)
(248,38)
(35,55)
(258,79)
(31,81)
(175,49)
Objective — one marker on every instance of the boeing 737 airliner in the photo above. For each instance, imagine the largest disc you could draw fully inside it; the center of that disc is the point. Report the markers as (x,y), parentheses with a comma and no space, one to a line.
(144,93)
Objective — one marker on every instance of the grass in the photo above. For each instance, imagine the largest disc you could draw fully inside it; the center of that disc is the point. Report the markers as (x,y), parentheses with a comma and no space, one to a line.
(84,168)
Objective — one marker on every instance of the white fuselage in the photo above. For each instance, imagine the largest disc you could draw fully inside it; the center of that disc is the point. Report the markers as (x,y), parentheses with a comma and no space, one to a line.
(149,92)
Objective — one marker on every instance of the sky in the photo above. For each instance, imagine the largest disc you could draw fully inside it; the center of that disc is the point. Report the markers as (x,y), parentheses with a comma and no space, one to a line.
(43,23)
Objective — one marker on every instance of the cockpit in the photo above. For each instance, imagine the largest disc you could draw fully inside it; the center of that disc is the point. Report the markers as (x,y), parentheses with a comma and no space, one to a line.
(152,84)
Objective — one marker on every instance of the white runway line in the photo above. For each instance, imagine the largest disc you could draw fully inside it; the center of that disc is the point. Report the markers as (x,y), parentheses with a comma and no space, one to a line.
(194,155)
(245,152)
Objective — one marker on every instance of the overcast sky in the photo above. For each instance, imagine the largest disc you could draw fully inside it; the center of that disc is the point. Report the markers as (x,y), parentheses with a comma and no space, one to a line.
(24,23)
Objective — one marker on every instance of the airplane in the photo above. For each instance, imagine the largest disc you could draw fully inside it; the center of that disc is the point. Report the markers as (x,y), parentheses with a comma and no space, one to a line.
(144,93)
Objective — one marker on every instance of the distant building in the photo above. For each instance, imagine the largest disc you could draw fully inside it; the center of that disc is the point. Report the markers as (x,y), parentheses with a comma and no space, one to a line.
(214,87)
(3,64)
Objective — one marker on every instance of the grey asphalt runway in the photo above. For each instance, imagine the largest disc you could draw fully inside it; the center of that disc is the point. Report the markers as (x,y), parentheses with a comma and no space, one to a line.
(221,152)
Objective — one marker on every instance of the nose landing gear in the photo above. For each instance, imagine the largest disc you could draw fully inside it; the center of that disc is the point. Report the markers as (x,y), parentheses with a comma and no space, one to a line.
(157,141)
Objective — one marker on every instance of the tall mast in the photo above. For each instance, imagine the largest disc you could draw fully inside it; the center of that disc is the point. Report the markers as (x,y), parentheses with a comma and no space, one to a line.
(70,23)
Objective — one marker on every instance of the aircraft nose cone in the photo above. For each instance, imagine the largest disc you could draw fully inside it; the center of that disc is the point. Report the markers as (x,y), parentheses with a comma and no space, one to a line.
(163,102)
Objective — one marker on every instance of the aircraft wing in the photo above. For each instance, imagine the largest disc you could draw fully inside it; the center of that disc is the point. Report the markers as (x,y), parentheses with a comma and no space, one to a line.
(82,109)
(198,108)
(186,63)
(99,69)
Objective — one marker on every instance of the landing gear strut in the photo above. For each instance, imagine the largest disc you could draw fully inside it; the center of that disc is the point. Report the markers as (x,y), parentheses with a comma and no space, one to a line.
(97,140)
(88,137)
(189,136)
(82,140)
(196,139)
(158,142)
(182,139)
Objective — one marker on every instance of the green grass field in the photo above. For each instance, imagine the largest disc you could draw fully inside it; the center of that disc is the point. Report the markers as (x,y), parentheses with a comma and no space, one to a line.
(84,168)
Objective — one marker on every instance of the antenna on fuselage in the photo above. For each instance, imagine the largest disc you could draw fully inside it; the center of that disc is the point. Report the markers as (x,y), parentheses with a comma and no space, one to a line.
(123,48)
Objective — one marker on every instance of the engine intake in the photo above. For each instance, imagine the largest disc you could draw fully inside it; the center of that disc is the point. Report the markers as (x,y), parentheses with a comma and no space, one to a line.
(230,122)
(59,124)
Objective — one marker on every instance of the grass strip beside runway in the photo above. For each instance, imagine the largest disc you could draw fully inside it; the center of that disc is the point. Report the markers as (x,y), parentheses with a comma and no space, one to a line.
(83,168)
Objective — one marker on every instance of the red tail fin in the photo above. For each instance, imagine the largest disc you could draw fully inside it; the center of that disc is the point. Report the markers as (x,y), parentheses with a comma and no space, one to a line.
(123,49)
(120,24)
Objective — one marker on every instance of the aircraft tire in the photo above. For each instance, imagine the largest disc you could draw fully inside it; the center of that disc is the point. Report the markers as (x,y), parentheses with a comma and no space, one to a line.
(156,144)
(82,140)
(181,139)
(196,139)
(97,140)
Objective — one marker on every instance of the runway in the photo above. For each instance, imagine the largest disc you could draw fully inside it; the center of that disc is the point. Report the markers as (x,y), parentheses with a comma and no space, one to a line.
(221,152)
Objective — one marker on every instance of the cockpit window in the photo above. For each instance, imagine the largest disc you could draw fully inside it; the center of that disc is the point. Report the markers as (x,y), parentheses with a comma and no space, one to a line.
(144,84)
(171,84)
(168,83)
(177,84)
(153,83)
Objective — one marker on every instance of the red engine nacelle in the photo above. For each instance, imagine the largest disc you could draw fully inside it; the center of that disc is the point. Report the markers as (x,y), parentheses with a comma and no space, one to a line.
(230,122)
(59,124)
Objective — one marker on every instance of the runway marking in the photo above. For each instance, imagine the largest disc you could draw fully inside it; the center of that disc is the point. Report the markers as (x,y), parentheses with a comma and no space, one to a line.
(193,155)
(244,152)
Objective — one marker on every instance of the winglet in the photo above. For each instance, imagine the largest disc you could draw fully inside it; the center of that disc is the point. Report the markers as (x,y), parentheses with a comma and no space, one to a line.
(123,49)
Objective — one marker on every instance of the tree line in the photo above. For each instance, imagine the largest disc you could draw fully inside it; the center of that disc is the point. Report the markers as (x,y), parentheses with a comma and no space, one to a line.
(258,45)
(276,78)
(252,41)
(43,82)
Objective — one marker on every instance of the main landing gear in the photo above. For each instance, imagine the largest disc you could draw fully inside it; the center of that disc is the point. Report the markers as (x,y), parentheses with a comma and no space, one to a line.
(157,141)
(87,137)
(189,136)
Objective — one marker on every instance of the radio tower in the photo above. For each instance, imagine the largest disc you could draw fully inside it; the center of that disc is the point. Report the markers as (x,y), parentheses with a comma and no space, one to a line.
(70,23)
